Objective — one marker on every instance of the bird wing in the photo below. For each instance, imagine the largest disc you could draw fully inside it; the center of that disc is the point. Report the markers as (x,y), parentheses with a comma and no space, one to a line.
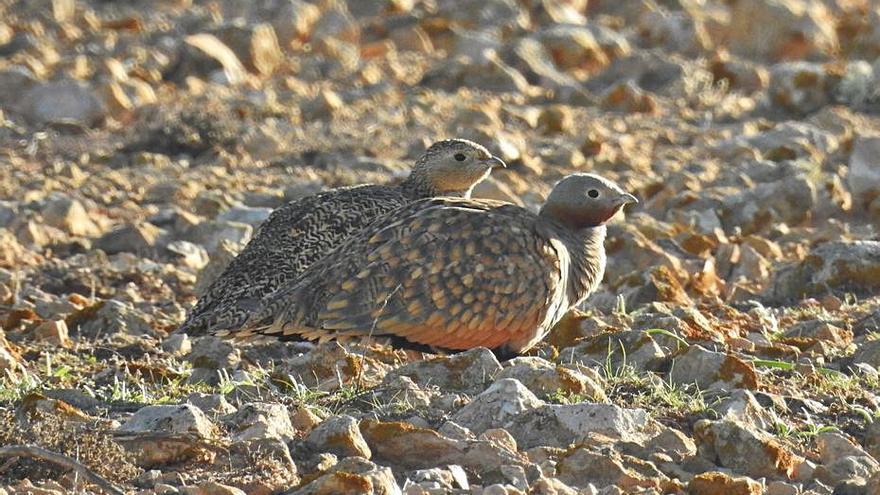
(293,237)
(447,273)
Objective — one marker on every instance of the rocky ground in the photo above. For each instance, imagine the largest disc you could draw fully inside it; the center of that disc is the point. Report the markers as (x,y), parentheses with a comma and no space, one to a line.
(733,349)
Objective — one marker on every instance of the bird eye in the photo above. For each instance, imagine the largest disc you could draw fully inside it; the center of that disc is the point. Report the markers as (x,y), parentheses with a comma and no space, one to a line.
(460,157)
(593,193)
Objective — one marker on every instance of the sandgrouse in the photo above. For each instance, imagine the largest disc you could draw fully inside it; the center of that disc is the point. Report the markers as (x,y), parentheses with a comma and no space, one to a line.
(301,232)
(453,274)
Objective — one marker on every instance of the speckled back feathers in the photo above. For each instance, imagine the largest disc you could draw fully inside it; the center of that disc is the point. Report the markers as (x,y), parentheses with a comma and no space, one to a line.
(301,232)
(453,273)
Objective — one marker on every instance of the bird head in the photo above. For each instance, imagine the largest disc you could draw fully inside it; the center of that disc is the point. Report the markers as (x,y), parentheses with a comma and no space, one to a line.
(454,166)
(585,200)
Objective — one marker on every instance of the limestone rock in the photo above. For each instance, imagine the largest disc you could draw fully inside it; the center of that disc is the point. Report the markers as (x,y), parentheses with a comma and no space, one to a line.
(353,475)
(581,466)
(819,330)
(470,371)
(53,332)
(211,404)
(212,354)
(715,482)
(15,81)
(294,20)
(544,378)
(408,446)
(640,349)
(110,317)
(179,428)
(712,370)
(256,46)
(69,215)
(212,234)
(339,435)
(864,173)
(800,87)
(742,406)
(261,420)
(204,56)
(560,425)
(135,238)
(497,405)
(838,265)
(744,450)
(788,200)
(868,353)
(788,30)
(9,362)
(62,102)
(214,488)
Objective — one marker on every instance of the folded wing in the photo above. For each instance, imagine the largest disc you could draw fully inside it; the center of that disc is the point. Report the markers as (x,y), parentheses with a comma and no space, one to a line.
(448,273)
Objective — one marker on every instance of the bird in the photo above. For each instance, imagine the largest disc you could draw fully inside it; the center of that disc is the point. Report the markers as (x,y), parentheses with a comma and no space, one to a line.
(451,274)
(300,232)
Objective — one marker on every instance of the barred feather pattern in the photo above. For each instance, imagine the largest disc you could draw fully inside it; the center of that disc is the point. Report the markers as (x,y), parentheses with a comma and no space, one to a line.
(301,232)
(444,273)
(292,238)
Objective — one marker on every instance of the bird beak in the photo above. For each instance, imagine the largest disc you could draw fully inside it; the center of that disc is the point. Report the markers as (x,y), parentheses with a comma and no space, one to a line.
(494,163)
(625,199)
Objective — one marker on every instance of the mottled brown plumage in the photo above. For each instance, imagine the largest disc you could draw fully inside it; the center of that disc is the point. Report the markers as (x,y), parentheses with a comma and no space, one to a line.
(301,232)
(453,273)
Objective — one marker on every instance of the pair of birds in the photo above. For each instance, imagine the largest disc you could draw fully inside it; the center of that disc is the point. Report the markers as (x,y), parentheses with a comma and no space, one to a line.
(419,263)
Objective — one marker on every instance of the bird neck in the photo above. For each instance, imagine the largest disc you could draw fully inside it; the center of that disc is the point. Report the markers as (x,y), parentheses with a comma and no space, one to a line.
(586,249)
(418,185)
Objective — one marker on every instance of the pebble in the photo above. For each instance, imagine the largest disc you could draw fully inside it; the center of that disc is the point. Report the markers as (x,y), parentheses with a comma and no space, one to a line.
(496,406)
(339,435)
(712,370)
(137,238)
(743,449)
(257,421)
(69,215)
(176,427)
(62,102)
(53,332)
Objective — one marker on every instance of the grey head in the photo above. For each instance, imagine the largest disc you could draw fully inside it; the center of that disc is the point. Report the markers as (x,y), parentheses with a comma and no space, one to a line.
(581,201)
